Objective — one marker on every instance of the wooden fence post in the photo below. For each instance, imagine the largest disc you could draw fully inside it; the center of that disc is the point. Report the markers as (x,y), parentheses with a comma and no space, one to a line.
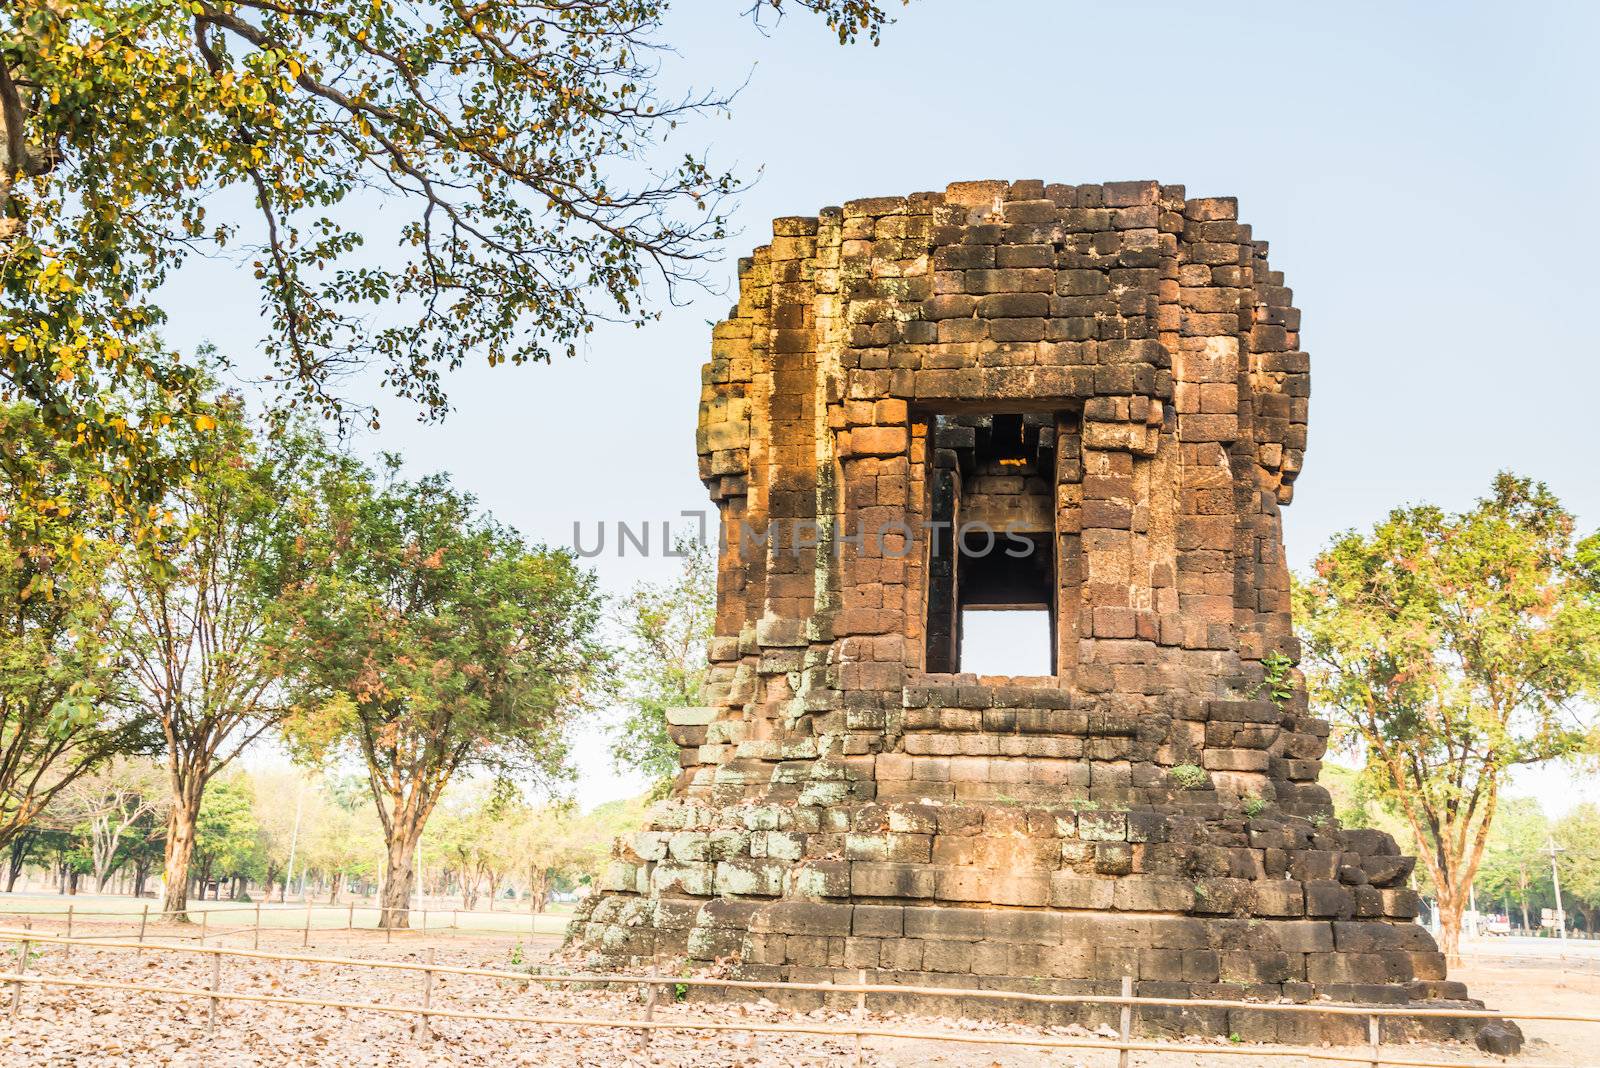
(22,966)
(1374,1036)
(350,921)
(205,918)
(216,981)
(424,919)
(305,939)
(255,942)
(66,950)
(144,918)
(1126,1021)
(649,1009)
(421,1032)
(860,1010)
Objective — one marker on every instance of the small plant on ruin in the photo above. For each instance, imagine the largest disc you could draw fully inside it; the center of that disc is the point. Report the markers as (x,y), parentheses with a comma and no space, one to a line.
(516,954)
(1254,806)
(1189,777)
(1276,682)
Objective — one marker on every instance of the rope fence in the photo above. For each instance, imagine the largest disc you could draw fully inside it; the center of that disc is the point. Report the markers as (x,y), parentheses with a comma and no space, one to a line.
(201,918)
(857,1030)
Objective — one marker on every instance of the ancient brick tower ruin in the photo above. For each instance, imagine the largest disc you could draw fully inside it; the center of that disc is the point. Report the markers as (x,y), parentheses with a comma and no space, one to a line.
(1100,390)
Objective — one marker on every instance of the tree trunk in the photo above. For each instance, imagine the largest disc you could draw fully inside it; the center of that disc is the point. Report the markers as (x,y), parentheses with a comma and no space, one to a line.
(539,889)
(141,872)
(180,851)
(12,162)
(1451,907)
(18,854)
(398,876)
(333,887)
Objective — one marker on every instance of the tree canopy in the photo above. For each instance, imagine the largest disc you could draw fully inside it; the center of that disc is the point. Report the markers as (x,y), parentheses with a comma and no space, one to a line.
(1577,835)
(1514,862)
(519,149)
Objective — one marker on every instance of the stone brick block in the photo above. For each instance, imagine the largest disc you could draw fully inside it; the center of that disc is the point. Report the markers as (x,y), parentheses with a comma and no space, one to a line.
(891,880)
(1096,826)
(1153,893)
(1068,890)
(762,878)
(1113,858)
(809,918)
(1280,897)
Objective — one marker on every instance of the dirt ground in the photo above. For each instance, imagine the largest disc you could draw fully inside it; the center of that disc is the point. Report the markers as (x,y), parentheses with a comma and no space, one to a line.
(63,1026)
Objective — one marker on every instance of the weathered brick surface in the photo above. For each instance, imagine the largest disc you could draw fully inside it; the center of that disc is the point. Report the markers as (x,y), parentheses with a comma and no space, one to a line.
(1111,371)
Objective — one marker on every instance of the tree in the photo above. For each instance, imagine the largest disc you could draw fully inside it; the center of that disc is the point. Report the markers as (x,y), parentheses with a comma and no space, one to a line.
(1514,864)
(473,832)
(197,626)
(435,641)
(287,804)
(511,142)
(666,629)
(109,803)
(1452,648)
(342,840)
(145,846)
(562,847)
(63,706)
(228,840)
(1577,834)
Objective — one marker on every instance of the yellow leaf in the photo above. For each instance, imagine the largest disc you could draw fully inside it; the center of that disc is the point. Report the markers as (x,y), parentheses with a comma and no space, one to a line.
(204,423)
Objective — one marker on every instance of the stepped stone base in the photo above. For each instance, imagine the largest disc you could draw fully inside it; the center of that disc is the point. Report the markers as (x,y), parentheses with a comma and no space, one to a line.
(1187,900)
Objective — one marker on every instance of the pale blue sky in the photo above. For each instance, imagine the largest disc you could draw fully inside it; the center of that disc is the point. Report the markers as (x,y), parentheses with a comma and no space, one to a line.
(1425,173)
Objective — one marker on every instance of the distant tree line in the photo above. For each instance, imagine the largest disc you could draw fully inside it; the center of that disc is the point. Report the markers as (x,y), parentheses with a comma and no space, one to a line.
(290,833)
